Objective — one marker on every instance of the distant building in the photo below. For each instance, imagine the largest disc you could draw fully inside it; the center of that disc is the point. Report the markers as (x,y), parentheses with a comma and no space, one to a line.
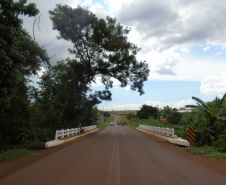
(183,110)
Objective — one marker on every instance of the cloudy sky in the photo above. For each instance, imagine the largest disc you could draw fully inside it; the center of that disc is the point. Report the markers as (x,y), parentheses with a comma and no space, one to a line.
(183,41)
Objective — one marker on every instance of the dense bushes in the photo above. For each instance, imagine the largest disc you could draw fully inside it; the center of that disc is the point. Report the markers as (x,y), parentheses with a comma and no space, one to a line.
(146,111)
(174,118)
(130,116)
(209,119)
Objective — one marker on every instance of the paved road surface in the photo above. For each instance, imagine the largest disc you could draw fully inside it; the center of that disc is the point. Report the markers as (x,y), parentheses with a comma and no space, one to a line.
(117,155)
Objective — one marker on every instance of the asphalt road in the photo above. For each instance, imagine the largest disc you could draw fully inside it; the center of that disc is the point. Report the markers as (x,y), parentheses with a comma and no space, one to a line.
(117,155)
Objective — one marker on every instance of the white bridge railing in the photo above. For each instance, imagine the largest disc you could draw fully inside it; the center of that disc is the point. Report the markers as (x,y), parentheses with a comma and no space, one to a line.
(158,130)
(73,131)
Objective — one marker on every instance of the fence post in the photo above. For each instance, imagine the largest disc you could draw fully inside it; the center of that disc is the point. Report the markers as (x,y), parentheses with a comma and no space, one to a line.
(56,135)
(167,132)
(172,132)
(62,133)
(68,132)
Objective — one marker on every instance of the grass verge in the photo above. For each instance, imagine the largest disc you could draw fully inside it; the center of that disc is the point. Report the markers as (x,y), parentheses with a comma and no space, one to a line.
(208,152)
(4,155)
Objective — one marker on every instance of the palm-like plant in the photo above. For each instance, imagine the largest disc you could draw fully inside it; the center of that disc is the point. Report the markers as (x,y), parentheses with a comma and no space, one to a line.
(213,110)
(215,116)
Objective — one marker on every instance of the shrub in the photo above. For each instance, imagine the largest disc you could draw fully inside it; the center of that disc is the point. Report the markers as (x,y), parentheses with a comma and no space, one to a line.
(220,142)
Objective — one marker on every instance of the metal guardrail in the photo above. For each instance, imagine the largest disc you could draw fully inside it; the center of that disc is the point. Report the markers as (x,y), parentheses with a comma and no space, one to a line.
(72,131)
(158,130)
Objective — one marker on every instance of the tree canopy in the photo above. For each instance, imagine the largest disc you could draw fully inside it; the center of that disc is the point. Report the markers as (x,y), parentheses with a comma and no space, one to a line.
(11,38)
(147,111)
(20,57)
(101,47)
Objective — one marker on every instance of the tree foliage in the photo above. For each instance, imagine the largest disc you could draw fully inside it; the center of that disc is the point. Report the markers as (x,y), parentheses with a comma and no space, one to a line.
(11,39)
(212,118)
(106,114)
(166,110)
(147,111)
(101,47)
(130,116)
(20,57)
(174,118)
(36,58)
(58,87)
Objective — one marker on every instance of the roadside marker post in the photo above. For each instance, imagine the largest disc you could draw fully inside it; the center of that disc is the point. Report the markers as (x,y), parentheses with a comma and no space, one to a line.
(191,134)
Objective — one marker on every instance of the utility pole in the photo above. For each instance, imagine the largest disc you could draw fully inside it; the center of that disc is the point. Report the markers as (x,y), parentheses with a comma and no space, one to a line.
(103,114)
(157,112)
(99,116)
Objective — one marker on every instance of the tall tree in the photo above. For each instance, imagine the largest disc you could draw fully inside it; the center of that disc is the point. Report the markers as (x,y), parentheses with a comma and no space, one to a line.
(11,38)
(20,57)
(146,111)
(167,110)
(101,47)
(60,84)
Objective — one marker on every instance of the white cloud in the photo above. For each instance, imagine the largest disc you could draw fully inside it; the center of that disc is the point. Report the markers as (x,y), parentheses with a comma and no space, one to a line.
(87,3)
(152,33)
(99,82)
(206,48)
(184,49)
(127,88)
(214,84)
(154,103)
(219,53)
(160,104)
(178,104)
(189,68)
(115,5)
(160,63)
(73,3)
(116,87)
(96,8)
(175,23)
(173,104)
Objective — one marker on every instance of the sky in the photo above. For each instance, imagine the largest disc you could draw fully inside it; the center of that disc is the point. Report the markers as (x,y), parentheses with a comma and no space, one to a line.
(183,42)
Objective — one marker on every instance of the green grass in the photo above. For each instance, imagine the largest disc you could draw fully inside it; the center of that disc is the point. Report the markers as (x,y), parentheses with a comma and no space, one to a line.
(208,152)
(151,121)
(4,155)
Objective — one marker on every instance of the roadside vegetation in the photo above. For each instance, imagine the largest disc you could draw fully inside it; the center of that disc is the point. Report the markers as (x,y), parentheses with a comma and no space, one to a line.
(208,118)
(208,152)
(9,154)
